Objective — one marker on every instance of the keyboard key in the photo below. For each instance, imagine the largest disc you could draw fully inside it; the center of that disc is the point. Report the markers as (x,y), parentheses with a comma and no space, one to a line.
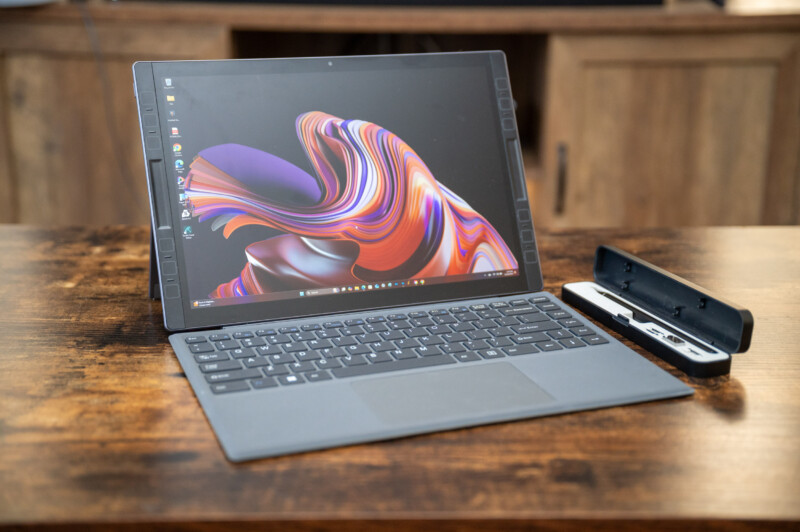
(499,304)
(559,314)
(395,317)
(204,347)
(530,338)
(375,327)
(525,349)
(392,335)
(445,320)
(333,324)
(468,356)
(266,332)
(354,360)
(211,357)
(274,371)
(303,336)
(571,322)
(477,344)
(468,316)
(463,327)
(344,341)
(534,318)
(226,387)
(431,340)
(422,322)
(478,307)
(559,334)
(402,354)
(331,352)
(223,365)
(452,348)
(266,350)
(352,331)
(306,356)
(594,340)
(318,376)
(253,342)
(288,330)
(501,331)
(318,344)
(294,347)
(541,326)
(256,362)
(547,307)
(416,332)
(353,322)
(454,337)
(539,299)
(488,314)
(311,327)
(233,375)
(194,339)
(376,319)
(380,347)
(241,335)
(265,382)
(503,341)
(571,343)
(328,363)
(288,380)
(507,321)
(399,325)
(485,324)
(330,333)
(478,335)
(405,343)
(549,346)
(518,303)
(428,351)
(417,314)
(279,339)
(458,310)
(368,338)
(302,367)
(438,312)
(410,363)
(377,358)
(518,311)
(219,337)
(582,331)
(357,349)
(281,358)
(491,353)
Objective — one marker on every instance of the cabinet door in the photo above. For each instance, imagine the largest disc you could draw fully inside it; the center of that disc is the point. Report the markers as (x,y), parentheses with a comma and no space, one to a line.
(660,130)
(70,127)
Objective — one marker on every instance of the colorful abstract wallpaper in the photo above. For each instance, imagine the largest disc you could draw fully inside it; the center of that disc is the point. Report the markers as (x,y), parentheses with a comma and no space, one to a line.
(373,211)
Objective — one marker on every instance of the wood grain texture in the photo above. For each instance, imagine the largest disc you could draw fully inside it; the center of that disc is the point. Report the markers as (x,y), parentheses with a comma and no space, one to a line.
(665,132)
(377,19)
(98,426)
(71,117)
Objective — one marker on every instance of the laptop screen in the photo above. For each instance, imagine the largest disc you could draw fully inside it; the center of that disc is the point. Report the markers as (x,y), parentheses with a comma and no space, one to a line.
(308,186)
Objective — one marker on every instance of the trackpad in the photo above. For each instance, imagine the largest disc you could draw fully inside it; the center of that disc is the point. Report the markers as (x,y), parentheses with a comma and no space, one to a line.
(450,394)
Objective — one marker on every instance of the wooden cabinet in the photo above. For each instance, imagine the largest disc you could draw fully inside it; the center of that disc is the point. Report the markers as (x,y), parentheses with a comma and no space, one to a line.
(71,150)
(660,130)
(679,115)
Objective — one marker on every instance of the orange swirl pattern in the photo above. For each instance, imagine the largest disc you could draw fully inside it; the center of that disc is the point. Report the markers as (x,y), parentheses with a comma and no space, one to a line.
(371,189)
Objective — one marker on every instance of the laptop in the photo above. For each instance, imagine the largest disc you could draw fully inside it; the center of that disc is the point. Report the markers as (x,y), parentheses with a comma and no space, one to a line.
(345,253)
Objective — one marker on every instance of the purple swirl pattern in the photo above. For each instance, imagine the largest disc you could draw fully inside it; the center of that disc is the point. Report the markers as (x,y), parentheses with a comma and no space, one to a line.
(373,211)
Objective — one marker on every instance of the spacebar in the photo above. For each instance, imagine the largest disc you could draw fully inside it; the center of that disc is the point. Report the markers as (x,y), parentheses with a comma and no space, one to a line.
(383,367)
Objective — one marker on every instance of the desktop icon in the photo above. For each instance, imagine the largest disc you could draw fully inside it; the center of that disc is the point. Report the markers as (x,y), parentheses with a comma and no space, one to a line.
(186,214)
(179,164)
(181,181)
(172,113)
(187,230)
(168,82)
(302,294)
(174,131)
(170,98)
(176,147)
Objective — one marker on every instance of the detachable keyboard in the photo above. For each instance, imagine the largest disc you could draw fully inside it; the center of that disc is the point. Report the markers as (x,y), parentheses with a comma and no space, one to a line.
(320,349)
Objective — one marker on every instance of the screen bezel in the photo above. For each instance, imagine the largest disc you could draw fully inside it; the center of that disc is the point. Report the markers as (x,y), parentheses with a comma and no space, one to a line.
(529,278)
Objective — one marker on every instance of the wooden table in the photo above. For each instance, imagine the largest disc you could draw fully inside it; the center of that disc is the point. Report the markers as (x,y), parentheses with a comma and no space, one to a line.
(98,426)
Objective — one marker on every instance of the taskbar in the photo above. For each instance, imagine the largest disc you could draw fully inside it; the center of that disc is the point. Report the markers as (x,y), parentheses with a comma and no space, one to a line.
(349,289)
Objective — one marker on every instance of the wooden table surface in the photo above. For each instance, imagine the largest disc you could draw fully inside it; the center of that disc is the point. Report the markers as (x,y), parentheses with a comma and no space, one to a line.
(99,427)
